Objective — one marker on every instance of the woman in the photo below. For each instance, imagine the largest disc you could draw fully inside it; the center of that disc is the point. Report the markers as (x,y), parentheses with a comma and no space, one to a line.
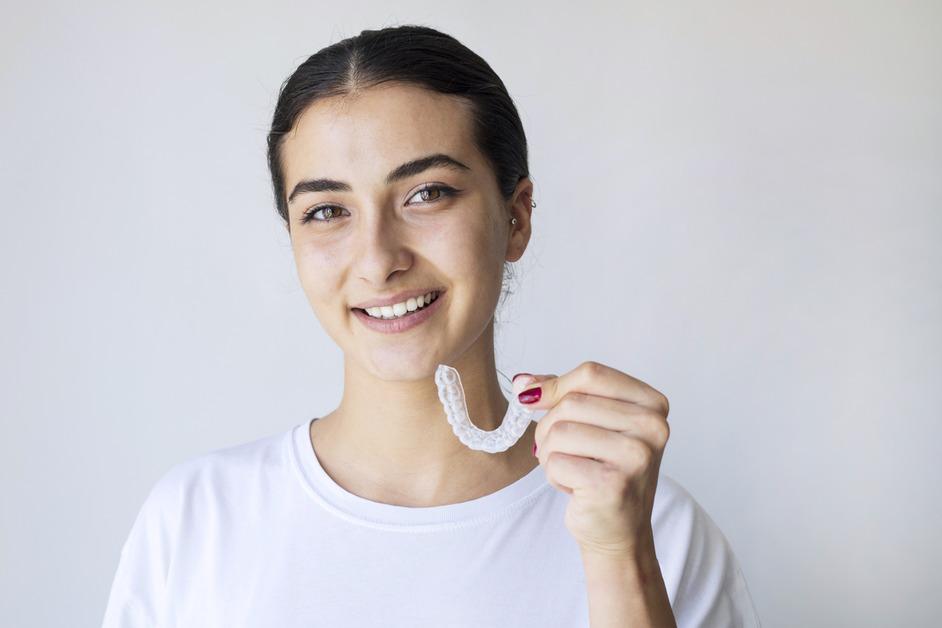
(399,166)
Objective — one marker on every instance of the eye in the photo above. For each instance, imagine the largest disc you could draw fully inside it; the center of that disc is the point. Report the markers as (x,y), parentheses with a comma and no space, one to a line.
(330,212)
(436,192)
(430,193)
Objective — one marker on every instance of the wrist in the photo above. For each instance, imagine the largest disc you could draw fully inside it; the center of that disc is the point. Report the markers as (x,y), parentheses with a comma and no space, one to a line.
(641,552)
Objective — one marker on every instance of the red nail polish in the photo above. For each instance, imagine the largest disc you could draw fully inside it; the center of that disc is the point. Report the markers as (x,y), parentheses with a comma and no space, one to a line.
(534,448)
(531,396)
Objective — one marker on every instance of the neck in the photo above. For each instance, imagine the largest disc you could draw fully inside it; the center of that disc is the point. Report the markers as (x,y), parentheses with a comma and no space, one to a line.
(390,441)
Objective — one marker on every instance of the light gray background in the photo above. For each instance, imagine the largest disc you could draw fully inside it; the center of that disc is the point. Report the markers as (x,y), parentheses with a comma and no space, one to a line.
(739,203)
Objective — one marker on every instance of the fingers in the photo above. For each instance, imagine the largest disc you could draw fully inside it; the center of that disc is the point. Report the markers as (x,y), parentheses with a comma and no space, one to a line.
(597,379)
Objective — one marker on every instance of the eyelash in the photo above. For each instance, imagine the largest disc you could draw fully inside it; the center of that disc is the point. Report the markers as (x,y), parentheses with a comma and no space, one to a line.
(444,192)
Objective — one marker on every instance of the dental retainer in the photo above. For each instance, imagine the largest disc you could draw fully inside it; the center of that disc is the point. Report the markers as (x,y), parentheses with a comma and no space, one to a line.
(451,394)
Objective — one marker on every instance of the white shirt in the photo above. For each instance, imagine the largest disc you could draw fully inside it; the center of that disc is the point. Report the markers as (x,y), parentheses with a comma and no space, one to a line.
(259,535)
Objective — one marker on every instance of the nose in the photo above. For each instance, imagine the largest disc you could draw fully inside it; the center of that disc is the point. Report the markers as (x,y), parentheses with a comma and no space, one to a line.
(383,247)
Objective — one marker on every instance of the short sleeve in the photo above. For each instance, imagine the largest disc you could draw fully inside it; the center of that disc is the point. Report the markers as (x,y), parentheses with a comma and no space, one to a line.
(138,590)
(704,581)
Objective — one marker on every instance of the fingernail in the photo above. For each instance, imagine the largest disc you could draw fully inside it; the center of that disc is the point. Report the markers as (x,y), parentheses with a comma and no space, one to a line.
(521,381)
(534,448)
(531,396)
(518,375)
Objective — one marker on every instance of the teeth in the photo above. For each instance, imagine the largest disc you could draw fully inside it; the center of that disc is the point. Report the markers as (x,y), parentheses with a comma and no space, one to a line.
(400,309)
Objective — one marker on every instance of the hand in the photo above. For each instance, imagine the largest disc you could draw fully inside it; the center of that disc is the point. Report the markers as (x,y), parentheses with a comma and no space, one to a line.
(602,441)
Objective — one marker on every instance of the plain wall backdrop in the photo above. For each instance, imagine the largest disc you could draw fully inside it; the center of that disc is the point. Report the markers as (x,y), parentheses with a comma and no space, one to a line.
(739,203)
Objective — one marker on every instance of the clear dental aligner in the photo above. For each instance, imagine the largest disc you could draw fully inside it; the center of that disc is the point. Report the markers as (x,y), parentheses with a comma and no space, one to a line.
(451,394)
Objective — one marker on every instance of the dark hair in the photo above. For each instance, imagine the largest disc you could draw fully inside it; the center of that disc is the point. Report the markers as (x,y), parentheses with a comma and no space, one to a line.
(414,54)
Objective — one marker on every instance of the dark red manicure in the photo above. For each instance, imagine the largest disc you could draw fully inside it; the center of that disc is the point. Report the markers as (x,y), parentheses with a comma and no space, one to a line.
(531,396)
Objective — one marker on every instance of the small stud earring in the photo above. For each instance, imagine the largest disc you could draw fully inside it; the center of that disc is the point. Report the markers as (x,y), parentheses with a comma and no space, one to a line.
(513,221)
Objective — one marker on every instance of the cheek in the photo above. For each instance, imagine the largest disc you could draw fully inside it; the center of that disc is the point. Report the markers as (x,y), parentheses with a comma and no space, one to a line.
(468,247)
(468,258)
(317,271)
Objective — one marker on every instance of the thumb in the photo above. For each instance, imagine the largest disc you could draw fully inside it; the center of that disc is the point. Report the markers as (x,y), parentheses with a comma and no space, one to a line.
(522,381)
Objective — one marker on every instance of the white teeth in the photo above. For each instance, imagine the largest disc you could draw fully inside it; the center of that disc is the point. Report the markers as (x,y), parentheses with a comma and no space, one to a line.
(400,309)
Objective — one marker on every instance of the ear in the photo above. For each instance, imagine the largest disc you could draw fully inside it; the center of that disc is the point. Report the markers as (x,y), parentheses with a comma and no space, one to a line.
(521,207)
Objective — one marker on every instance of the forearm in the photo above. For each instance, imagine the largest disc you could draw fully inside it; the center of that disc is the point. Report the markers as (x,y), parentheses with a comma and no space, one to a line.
(626,592)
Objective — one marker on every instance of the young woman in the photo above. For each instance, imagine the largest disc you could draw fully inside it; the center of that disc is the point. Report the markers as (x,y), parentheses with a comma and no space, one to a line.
(399,167)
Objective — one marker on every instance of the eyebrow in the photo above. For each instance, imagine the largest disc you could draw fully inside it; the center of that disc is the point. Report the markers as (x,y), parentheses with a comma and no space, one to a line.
(408,169)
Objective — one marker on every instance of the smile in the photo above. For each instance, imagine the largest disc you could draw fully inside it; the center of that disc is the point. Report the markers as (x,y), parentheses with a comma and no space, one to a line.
(399,317)
(398,310)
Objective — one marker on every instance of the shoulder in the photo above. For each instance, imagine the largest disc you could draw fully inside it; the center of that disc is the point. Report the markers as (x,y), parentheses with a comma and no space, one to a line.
(701,572)
(209,475)
(186,498)
(675,509)
(687,539)
(181,499)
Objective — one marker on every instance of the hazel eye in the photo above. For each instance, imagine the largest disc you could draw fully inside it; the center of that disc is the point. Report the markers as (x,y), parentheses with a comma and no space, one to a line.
(431,193)
(437,192)
(330,212)
(434,191)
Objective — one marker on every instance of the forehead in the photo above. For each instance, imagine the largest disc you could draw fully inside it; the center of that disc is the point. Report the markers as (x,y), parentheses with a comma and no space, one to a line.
(362,137)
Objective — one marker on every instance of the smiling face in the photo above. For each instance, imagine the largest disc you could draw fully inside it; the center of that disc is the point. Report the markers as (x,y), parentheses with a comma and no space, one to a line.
(362,228)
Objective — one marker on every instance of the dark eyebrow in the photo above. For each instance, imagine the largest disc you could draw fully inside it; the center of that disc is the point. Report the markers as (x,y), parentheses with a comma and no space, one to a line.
(404,171)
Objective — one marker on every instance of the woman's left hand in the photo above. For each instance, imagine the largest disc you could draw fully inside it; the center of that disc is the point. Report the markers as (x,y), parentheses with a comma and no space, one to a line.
(601,441)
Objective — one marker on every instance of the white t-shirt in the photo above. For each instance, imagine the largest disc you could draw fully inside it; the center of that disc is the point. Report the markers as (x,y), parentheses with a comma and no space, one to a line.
(259,535)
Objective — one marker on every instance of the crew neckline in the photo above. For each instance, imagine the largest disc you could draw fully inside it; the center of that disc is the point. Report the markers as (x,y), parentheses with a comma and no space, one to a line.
(356,509)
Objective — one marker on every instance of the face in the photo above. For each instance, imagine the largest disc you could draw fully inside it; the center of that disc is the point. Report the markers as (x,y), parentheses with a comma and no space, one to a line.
(376,230)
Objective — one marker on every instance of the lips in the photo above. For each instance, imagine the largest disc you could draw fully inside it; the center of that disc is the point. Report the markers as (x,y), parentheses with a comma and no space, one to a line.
(396,298)
(404,323)
(434,297)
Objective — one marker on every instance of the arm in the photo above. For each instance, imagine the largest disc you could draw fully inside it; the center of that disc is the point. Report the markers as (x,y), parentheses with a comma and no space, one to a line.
(627,591)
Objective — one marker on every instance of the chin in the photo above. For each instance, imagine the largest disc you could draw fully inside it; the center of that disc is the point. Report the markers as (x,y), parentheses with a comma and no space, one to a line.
(400,366)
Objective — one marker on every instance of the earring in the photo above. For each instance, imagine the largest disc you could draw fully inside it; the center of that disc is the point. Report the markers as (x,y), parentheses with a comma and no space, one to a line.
(451,394)
(513,221)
